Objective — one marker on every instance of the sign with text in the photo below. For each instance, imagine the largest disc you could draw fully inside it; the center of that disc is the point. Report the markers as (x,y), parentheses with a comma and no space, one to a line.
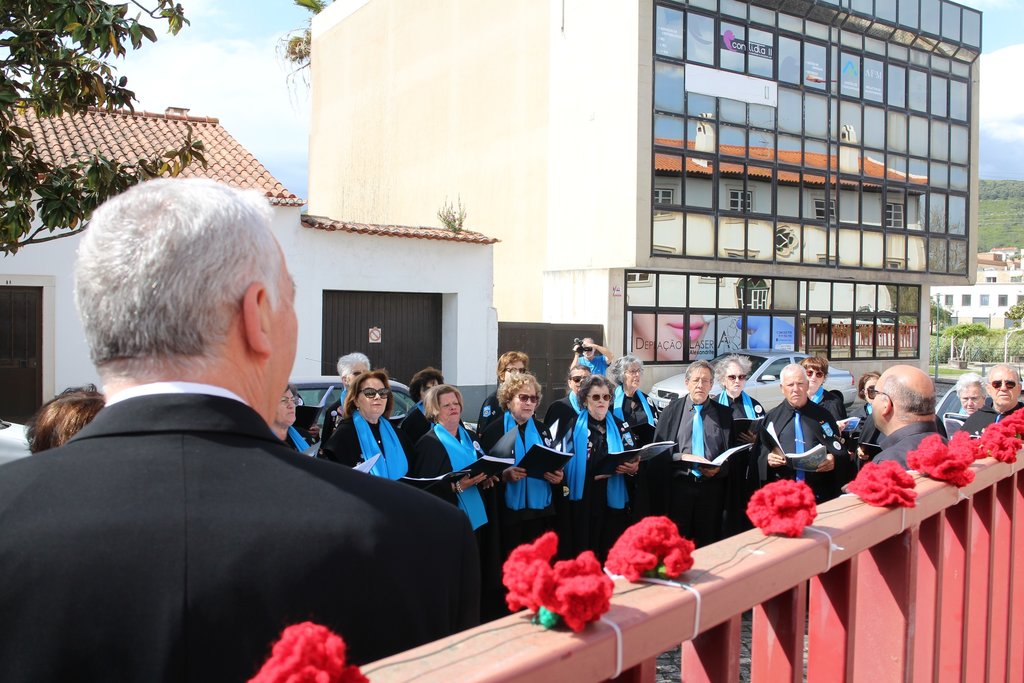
(716,83)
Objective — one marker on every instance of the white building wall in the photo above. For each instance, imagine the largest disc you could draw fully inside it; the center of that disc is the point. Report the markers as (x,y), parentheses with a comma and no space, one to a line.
(51,266)
(335,260)
(992,311)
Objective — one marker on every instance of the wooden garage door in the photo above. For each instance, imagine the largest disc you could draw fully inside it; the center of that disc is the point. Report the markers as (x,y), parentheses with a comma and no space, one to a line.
(409,330)
(21,350)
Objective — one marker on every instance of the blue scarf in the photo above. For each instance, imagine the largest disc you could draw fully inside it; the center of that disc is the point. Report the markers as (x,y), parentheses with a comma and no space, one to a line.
(576,470)
(620,398)
(748,405)
(392,464)
(461,455)
(531,493)
(297,439)
(818,395)
(574,401)
(419,404)
(869,409)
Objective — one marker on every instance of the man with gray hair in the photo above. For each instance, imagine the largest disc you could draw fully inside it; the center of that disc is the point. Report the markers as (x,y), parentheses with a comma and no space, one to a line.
(1003,383)
(175,537)
(903,407)
(800,424)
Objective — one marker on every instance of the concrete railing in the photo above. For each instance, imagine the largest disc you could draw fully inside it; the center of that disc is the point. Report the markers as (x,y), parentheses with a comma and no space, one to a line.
(930,593)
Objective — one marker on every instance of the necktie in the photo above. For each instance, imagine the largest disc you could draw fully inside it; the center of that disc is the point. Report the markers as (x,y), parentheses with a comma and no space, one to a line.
(798,432)
(697,438)
(999,417)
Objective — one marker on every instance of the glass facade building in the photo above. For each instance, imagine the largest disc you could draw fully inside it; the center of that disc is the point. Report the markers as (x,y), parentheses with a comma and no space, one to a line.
(836,138)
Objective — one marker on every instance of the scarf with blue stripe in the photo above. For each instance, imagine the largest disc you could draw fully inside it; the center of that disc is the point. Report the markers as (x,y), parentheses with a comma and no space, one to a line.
(576,470)
(297,439)
(461,455)
(748,405)
(531,493)
(819,394)
(620,398)
(392,464)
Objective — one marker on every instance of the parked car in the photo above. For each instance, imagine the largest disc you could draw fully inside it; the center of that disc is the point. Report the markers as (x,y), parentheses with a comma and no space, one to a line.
(312,390)
(13,444)
(763,383)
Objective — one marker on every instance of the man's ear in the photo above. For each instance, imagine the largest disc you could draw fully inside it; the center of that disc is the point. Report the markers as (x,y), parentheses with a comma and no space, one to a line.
(256,319)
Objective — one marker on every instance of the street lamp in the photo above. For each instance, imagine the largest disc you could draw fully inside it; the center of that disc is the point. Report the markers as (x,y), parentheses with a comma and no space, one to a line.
(1006,342)
(938,325)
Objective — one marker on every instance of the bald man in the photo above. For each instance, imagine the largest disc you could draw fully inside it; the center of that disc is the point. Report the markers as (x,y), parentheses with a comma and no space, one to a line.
(903,407)
(1003,384)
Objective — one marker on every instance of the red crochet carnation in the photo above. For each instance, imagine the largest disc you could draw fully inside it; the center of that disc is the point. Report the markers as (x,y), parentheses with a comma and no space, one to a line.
(950,463)
(651,547)
(308,653)
(782,507)
(583,592)
(1014,424)
(527,574)
(884,483)
(574,591)
(1000,440)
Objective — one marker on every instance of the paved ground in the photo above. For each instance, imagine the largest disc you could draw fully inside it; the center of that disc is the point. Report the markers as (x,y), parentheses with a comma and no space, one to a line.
(668,662)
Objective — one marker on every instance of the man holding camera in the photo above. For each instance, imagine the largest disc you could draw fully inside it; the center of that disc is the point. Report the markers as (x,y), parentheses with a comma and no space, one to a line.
(594,357)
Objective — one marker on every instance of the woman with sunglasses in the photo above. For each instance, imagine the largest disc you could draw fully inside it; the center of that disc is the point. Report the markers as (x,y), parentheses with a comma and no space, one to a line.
(731,373)
(561,414)
(597,506)
(525,504)
(365,431)
(866,431)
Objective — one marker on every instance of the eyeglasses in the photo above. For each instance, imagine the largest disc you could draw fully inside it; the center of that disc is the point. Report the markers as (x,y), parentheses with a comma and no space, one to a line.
(578,379)
(815,373)
(587,349)
(378,393)
(515,369)
(528,398)
(291,401)
(998,383)
(873,392)
(736,378)
(635,372)
(600,397)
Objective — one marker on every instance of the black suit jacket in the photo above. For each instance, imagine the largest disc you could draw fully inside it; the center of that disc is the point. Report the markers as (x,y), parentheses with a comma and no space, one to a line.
(818,428)
(174,538)
(717,425)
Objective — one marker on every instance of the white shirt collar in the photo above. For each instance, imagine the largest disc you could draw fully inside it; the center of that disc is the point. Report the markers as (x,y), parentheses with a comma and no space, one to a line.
(157,388)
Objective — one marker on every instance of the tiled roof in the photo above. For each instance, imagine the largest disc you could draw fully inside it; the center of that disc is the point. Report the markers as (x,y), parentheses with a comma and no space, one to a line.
(127,137)
(423,233)
(870,167)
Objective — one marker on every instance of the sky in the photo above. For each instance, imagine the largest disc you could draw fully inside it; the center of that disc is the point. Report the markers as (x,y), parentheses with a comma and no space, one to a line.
(226,64)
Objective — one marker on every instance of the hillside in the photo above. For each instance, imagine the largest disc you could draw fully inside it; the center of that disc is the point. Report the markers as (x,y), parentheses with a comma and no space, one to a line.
(1000,214)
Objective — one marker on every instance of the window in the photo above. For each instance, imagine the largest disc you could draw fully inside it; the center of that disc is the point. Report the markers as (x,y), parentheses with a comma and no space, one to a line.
(1020,298)
(990,278)
(965,300)
(740,200)
(1004,300)
(949,299)
(984,300)
(664,195)
(894,216)
(819,209)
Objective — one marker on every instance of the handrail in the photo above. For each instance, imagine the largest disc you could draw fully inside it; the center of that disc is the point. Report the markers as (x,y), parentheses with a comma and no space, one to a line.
(729,578)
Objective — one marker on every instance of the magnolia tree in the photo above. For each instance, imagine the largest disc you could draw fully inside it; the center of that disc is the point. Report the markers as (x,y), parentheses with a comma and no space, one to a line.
(55,58)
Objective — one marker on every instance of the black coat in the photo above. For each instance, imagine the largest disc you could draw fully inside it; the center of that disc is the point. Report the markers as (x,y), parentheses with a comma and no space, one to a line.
(490,412)
(985,416)
(174,538)
(818,428)
(897,445)
(344,448)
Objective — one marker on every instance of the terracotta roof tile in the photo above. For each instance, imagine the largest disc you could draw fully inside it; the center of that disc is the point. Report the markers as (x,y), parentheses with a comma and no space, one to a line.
(127,137)
(872,168)
(424,233)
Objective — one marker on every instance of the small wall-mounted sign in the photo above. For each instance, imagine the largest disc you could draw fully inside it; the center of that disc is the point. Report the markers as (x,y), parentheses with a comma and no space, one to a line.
(374,335)
(616,290)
